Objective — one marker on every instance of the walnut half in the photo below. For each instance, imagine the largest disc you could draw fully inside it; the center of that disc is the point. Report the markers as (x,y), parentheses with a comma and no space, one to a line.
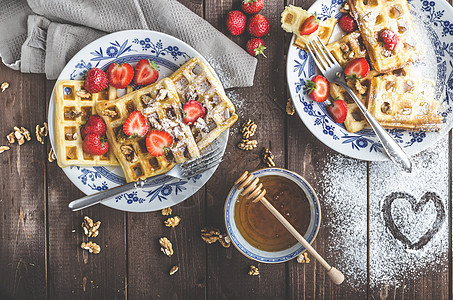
(129,153)
(254,271)
(167,247)
(172,222)
(91,247)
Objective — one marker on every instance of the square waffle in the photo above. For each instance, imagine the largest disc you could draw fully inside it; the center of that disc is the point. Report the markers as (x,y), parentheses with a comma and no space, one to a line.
(348,48)
(195,81)
(374,16)
(71,112)
(404,102)
(161,105)
(293,18)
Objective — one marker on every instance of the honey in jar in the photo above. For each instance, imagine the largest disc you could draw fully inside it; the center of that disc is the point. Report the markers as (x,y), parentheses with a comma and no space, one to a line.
(258,225)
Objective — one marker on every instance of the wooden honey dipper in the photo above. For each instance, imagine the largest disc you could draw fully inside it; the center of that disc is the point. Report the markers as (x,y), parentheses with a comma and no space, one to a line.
(253,189)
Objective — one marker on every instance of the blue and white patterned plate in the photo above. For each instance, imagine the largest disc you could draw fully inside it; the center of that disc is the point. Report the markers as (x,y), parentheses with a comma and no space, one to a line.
(434,22)
(278,256)
(130,46)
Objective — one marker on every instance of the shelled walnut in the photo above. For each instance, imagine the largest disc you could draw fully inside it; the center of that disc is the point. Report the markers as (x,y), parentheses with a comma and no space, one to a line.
(254,271)
(248,129)
(173,270)
(290,110)
(83,94)
(11,138)
(172,222)
(109,113)
(211,235)
(166,211)
(51,156)
(129,153)
(91,247)
(247,145)
(4,86)
(167,247)
(41,132)
(268,157)
(303,258)
(3,149)
(90,229)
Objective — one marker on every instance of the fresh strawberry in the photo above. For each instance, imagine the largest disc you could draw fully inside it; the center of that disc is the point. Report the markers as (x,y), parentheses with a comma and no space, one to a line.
(135,124)
(338,111)
(347,23)
(310,25)
(157,142)
(258,26)
(94,144)
(95,125)
(256,47)
(389,38)
(252,7)
(146,72)
(96,81)
(120,75)
(318,88)
(235,22)
(357,68)
(192,111)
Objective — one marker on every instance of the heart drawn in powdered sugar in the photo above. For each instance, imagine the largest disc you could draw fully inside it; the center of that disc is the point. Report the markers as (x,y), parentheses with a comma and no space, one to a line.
(417,208)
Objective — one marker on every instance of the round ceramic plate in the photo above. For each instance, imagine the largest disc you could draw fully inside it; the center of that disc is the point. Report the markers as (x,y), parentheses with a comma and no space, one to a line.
(130,46)
(278,256)
(434,22)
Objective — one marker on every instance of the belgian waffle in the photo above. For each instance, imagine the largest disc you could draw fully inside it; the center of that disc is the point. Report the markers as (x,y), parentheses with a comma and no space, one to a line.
(195,81)
(73,106)
(374,16)
(161,105)
(404,102)
(293,18)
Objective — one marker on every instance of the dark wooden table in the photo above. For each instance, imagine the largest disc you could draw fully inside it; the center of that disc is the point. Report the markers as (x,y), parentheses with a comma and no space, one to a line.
(40,237)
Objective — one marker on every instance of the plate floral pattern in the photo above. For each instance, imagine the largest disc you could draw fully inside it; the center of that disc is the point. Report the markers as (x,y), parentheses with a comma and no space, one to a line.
(436,18)
(131,46)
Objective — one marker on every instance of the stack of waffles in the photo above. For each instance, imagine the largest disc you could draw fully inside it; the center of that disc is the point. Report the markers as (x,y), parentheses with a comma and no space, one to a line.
(161,103)
(390,91)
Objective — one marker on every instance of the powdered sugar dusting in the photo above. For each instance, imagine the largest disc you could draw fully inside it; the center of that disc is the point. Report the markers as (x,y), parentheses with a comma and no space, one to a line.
(345,197)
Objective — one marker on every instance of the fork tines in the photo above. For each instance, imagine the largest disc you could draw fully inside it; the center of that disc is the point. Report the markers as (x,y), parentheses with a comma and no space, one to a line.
(321,55)
(202,163)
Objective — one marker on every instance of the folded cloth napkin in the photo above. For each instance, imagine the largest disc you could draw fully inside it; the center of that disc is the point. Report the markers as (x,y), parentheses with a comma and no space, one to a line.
(41,36)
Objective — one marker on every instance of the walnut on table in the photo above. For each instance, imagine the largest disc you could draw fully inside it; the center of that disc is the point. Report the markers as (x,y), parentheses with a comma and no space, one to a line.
(167,247)
(268,157)
(3,149)
(248,129)
(173,270)
(91,247)
(211,235)
(4,86)
(166,211)
(90,228)
(254,271)
(41,132)
(247,145)
(51,156)
(172,222)
(290,110)
(11,138)
(303,258)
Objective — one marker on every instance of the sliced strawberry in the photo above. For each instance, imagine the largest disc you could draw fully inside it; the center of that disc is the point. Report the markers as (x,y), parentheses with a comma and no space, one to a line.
(95,125)
(120,75)
(318,88)
(157,142)
(192,111)
(146,72)
(94,144)
(357,68)
(310,25)
(135,124)
(338,111)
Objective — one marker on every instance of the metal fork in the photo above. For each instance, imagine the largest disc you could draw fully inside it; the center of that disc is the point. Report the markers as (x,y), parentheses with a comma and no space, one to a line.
(186,169)
(333,72)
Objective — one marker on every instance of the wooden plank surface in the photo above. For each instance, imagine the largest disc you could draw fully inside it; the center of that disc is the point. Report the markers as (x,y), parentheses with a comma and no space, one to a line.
(40,254)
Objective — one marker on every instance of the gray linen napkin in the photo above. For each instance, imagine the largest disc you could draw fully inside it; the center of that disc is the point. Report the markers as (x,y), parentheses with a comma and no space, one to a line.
(42,35)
